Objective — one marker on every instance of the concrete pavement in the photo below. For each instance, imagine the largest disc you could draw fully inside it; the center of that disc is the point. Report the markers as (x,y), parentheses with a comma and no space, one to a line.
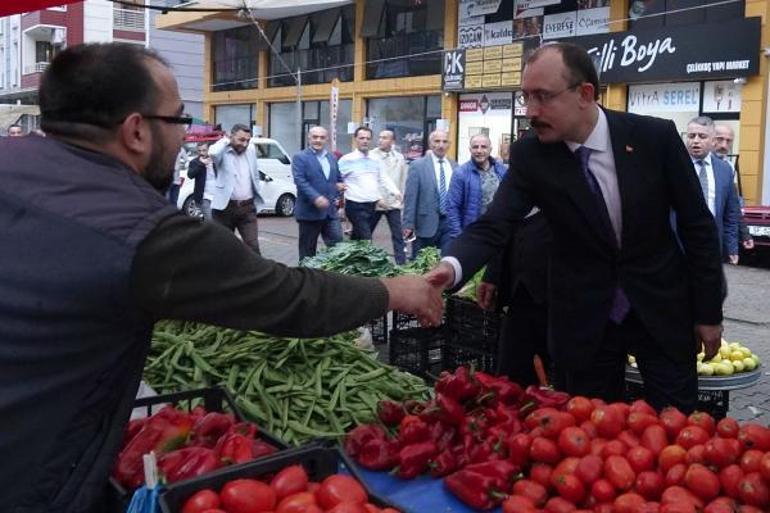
(747,309)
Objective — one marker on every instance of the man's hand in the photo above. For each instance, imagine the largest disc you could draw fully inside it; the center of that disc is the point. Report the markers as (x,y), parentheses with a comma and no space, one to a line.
(709,337)
(321,203)
(406,232)
(341,187)
(414,295)
(733,259)
(442,276)
(487,295)
(748,243)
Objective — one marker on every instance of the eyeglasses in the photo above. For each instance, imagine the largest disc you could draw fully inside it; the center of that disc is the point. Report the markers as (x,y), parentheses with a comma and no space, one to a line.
(173,120)
(542,97)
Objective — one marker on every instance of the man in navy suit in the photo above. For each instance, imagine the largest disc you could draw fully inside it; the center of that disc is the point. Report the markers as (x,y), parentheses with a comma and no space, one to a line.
(717,183)
(318,184)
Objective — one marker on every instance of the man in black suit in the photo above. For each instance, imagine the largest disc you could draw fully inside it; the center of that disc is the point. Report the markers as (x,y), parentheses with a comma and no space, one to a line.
(619,282)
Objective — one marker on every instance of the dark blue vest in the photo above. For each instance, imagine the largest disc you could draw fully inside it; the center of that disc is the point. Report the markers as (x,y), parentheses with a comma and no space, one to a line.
(72,340)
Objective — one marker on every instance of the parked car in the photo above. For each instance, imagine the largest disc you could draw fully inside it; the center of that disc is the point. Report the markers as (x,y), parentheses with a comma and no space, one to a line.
(758,221)
(277,188)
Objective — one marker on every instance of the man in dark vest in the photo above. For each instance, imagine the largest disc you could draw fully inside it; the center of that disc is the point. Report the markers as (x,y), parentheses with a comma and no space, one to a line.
(91,255)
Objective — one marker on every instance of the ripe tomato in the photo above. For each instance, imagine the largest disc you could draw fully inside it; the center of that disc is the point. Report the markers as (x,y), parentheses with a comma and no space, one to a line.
(649,507)
(675,475)
(518,449)
(371,508)
(702,482)
(720,452)
(313,487)
(670,456)
(642,406)
(573,441)
(247,496)
(539,416)
(580,407)
(691,436)
(292,479)
(598,402)
(296,503)
(608,420)
(679,494)
(696,454)
(721,505)
(597,446)
(570,487)
(650,485)
(745,508)
(541,473)
(623,408)
(703,420)
(544,450)
(639,421)
(729,478)
(534,492)
(678,507)
(565,467)
(619,472)
(559,505)
(629,438)
(764,467)
(753,491)
(340,488)
(613,448)
(347,507)
(641,459)
(654,438)
(673,421)
(603,491)
(589,428)
(518,504)
(754,436)
(589,469)
(628,503)
(554,424)
(201,501)
(605,507)
(728,428)
(751,461)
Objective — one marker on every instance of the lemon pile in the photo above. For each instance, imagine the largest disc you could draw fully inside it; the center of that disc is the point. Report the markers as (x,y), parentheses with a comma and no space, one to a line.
(732,358)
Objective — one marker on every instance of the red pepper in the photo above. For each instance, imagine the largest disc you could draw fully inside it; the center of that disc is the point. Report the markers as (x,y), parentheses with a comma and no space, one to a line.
(452,411)
(482,485)
(234,448)
(485,451)
(412,430)
(459,386)
(413,459)
(412,407)
(360,435)
(460,454)
(545,397)
(430,413)
(134,426)
(390,412)
(248,429)
(442,435)
(379,454)
(198,412)
(209,428)
(261,448)
(187,463)
(163,432)
(443,464)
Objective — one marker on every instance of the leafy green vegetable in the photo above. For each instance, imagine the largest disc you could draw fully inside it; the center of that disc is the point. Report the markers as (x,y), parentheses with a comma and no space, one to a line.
(360,257)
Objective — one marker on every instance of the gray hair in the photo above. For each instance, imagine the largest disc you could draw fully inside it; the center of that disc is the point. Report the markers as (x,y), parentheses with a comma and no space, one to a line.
(704,121)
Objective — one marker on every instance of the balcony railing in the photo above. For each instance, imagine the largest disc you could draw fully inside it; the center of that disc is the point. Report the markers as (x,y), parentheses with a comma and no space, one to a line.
(38,67)
(128,19)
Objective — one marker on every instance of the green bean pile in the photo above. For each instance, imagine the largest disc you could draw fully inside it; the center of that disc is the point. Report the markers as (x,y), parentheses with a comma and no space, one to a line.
(298,389)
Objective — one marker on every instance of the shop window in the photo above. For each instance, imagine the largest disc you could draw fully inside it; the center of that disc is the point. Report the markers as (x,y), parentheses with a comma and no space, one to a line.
(660,13)
(411,118)
(228,115)
(283,126)
(320,46)
(404,38)
(235,55)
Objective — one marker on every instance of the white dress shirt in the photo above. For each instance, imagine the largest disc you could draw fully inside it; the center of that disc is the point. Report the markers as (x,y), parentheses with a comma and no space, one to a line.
(363,176)
(437,171)
(244,188)
(711,195)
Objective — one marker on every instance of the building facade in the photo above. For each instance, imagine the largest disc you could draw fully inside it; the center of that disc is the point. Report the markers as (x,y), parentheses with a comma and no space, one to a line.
(413,65)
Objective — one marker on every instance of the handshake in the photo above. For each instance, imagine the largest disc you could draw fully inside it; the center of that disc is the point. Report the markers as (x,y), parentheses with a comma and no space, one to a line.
(421,295)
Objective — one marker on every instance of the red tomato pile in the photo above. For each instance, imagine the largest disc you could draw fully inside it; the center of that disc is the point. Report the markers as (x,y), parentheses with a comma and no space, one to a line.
(620,458)
(290,491)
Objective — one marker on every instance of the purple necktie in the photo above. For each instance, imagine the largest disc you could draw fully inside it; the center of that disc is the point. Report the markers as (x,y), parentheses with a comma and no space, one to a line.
(620,304)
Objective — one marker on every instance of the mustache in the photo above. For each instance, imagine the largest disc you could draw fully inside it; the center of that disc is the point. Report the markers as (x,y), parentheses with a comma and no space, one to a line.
(536,123)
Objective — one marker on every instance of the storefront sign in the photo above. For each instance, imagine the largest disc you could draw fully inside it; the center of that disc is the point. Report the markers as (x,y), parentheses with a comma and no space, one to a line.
(334,104)
(721,96)
(468,105)
(559,25)
(593,21)
(676,53)
(471,36)
(482,7)
(464,18)
(656,98)
(453,76)
(519,109)
(500,33)
(522,5)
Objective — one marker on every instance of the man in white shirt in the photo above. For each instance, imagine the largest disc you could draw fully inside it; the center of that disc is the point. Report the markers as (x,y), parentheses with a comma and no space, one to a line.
(363,177)
(236,194)
(389,205)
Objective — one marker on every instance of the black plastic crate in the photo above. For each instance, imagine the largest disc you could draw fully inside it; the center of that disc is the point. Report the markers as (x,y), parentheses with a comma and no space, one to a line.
(714,402)
(318,461)
(379,329)
(454,355)
(471,325)
(212,399)
(404,321)
(418,350)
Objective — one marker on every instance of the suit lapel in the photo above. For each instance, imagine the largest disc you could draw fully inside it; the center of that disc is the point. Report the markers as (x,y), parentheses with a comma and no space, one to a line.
(621,132)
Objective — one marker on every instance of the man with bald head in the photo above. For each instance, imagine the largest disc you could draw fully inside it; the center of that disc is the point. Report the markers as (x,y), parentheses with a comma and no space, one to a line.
(724,136)
(389,205)
(425,201)
(318,184)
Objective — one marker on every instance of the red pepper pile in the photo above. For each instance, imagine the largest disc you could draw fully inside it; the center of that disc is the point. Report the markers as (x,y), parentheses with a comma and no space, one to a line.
(290,491)
(186,444)
(569,454)
(463,433)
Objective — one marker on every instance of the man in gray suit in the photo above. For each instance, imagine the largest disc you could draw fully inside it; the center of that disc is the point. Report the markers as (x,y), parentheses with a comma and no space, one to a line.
(425,199)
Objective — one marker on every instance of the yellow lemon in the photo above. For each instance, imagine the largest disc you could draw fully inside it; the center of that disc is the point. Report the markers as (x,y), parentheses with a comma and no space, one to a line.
(738,365)
(737,355)
(749,364)
(707,369)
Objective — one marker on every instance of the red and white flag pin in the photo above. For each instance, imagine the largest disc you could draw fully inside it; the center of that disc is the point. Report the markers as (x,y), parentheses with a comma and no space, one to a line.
(629,149)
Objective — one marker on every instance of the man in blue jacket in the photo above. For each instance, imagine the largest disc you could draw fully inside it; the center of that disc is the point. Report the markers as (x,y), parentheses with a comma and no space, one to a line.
(318,184)
(473,185)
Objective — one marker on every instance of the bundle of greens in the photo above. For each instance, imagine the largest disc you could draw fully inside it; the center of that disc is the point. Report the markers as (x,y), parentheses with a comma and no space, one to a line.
(361,258)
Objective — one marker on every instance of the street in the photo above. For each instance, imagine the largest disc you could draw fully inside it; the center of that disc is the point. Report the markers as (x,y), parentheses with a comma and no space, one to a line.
(747,308)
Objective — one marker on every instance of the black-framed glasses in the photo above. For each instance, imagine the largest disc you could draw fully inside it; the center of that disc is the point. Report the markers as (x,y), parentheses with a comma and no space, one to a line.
(543,97)
(173,120)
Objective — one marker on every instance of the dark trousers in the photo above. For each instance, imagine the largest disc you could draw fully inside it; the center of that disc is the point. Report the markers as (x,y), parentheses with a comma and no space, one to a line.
(396,235)
(441,240)
(666,383)
(173,193)
(360,216)
(241,215)
(329,229)
(524,334)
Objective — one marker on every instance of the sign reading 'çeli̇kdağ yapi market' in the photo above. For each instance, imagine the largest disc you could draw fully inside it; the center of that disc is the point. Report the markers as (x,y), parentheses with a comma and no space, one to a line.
(689,52)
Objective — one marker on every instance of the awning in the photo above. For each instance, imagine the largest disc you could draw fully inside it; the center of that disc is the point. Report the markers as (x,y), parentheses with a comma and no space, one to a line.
(10,114)
(373,26)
